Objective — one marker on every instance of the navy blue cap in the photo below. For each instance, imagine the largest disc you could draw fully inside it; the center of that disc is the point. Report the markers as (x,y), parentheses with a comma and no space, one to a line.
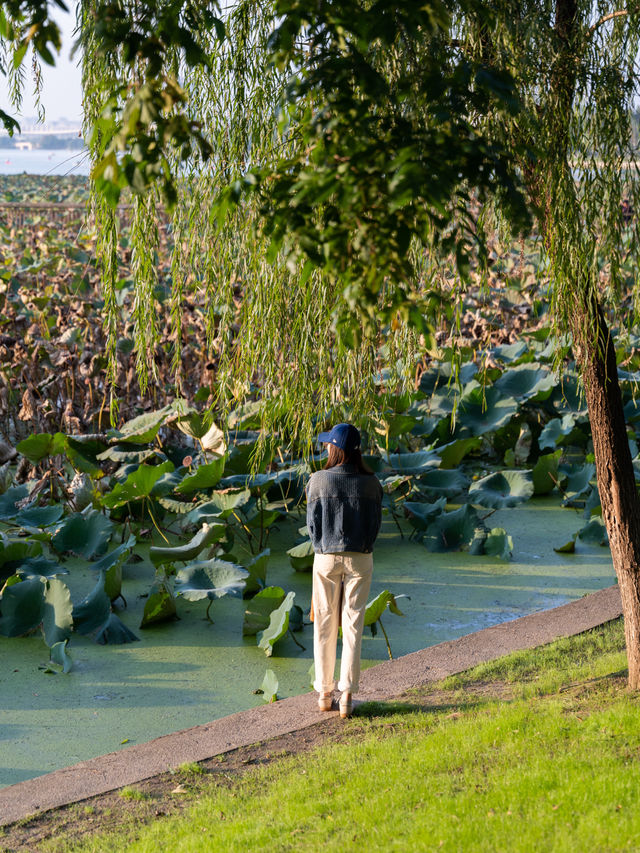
(344,436)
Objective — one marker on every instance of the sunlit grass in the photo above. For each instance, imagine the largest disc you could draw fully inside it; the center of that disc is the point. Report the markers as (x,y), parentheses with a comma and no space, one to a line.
(555,770)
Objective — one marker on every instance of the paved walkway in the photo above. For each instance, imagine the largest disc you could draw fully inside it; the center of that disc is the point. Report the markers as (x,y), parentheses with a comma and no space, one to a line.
(382,682)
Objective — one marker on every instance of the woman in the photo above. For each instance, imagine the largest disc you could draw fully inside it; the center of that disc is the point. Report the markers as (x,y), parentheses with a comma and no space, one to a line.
(343,516)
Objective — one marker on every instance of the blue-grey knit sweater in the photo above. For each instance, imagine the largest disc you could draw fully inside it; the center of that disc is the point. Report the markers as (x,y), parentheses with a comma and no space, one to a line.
(343,510)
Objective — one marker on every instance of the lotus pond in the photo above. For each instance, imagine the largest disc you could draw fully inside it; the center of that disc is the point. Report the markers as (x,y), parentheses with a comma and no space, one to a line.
(169,579)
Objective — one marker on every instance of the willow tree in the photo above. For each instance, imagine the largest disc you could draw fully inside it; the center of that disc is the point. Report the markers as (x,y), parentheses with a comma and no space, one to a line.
(316,158)
(575,65)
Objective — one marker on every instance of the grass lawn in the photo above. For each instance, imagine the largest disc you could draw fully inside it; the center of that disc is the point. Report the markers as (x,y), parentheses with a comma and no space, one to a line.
(539,751)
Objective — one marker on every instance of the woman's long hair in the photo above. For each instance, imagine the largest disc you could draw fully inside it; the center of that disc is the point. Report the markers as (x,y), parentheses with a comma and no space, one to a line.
(338,456)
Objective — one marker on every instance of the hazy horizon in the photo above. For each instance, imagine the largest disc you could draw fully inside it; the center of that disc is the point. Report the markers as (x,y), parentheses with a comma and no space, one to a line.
(61,91)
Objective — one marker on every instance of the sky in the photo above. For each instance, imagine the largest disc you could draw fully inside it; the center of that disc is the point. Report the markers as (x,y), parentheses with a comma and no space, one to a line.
(61,95)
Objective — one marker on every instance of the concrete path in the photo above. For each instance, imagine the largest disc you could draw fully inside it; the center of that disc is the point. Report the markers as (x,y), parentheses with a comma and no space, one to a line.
(382,682)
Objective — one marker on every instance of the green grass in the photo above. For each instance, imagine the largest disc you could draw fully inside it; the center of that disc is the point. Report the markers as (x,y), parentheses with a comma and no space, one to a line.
(555,768)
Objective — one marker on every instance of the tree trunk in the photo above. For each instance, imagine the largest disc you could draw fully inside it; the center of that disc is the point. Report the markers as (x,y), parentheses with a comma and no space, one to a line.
(595,354)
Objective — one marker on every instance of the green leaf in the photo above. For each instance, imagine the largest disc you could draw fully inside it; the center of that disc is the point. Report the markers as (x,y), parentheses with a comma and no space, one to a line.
(278,625)
(83,533)
(144,428)
(556,430)
(447,482)
(498,544)
(40,567)
(8,501)
(483,410)
(452,454)
(160,606)
(207,535)
(37,447)
(111,565)
(594,533)
(22,605)
(115,632)
(13,552)
(413,463)
(269,686)
(93,611)
(206,477)
(377,606)
(301,556)
(57,618)
(258,610)
(210,579)
(39,516)
(222,503)
(257,568)
(545,473)
(452,530)
(502,489)
(527,381)
(58,655)
(421,514)
(578,483)
(138,485)
(568,548)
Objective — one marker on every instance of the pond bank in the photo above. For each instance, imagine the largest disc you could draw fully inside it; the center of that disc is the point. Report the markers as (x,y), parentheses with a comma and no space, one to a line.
(379,683)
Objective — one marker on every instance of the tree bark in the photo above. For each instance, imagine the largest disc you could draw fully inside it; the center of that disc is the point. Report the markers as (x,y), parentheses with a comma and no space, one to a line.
(595,355)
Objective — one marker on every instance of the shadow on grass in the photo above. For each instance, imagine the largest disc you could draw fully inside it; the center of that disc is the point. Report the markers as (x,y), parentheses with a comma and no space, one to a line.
(372,710)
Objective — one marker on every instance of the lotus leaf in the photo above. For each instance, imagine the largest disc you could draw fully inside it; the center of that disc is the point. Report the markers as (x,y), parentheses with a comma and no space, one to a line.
(14,551)
(39,516)
(569,396)
(57,617)
(526,382)
(502,489)
(443,373)
(37,447)
(396,424)
(206,477)
(545,473)
(509,352)
(22,605)
(144,428)
(40,566)
(447,482)
(178,507)
(452,454)
(377,606)
(256,483)
(498,544)
(413,463)
(594,533)
(258,610)
(578,483)
(93,611)
(269,686)
(160,606)
(452,530)
(556,430)
(483,410)
(257,568)
(111,565)
(421,515)
(223,503)
(207,535)
(128,455)
(301,556)
(278,625)
(265,517)
(114,632)
(83,533)
(246,416)
(568,547)
(210,579)
(240,458)
(9,501)
(138,485)
(83,455)
(58,655)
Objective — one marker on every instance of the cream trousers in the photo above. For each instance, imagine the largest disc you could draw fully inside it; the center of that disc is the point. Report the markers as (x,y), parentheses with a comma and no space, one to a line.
(333,573)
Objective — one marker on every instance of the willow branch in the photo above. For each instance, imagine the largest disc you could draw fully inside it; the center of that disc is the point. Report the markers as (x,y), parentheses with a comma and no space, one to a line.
(619,14)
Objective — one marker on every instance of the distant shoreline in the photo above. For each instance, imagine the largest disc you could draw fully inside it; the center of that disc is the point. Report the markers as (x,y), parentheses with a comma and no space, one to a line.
(44,161)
